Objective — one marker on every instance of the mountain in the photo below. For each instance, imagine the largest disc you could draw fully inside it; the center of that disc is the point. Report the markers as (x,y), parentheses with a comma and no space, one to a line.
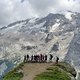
(56,34)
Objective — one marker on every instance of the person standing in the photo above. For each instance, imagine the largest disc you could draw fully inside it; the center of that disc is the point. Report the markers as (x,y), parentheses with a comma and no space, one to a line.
(41,56)
(51,57)
(27,57)
(57,60)
(32,58)
(45,58)
(37,58)
(25,60)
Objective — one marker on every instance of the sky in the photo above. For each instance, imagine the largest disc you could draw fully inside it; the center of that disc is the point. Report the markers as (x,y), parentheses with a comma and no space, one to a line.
(13,10)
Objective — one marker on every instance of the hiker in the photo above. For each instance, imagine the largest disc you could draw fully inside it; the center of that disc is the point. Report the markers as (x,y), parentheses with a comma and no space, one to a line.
(45,57)
(51,57)
(38,58)
(35,58)
(32,58)
(57,60)
(25,59)
(41,57)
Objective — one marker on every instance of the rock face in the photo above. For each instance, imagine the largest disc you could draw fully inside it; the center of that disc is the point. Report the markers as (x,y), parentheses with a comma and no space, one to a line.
(49,37)
(74,51)
(73,54)
(78,76)
(54,34)
(55,47)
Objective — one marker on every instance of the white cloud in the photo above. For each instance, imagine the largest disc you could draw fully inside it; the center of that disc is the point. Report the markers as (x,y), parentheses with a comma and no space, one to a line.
(13,10)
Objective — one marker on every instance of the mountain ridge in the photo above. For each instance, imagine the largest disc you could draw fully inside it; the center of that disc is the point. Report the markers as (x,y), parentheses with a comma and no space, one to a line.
(42,33)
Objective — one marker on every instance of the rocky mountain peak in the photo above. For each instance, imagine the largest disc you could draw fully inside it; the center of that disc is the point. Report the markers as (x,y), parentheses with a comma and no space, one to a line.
(53,34)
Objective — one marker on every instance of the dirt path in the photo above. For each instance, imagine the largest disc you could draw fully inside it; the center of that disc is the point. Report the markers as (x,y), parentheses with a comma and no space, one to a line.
(30,70)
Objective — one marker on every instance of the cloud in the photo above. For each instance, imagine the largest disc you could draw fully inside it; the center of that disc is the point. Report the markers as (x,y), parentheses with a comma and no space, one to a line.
(13,10)
(47,6)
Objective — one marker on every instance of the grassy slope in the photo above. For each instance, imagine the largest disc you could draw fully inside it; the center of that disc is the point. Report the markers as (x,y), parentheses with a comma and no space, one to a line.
(57,72)
(14,74)
(54,74)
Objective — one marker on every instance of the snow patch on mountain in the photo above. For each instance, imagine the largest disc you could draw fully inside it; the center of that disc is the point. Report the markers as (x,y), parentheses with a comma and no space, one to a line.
(54,27)
(68,15)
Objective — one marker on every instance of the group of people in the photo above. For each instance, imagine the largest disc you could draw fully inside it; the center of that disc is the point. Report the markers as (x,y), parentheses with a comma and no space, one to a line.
(39,58)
